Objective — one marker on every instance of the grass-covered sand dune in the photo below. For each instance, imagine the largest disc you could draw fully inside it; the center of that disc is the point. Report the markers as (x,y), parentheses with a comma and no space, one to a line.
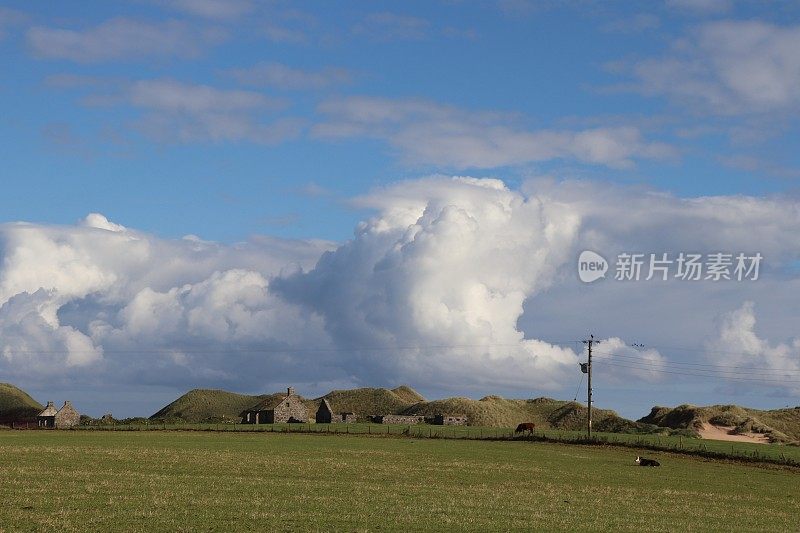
(727,422)
(777,425)
(546,413)
(781,425)
(16,405)
(202,405)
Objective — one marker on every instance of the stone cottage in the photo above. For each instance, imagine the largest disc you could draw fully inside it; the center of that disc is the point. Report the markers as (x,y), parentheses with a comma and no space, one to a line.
(289,408)
(64,418)
(325,415)
(47,418)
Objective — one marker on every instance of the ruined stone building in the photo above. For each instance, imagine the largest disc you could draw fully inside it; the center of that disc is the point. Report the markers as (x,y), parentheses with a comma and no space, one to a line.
(325,415)
(349,418)
(64,418)
(289,408)
(398,419)
(450,420)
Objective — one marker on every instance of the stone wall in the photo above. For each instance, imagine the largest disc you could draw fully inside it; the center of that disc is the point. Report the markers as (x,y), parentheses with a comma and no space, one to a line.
(450,420)
(399,419)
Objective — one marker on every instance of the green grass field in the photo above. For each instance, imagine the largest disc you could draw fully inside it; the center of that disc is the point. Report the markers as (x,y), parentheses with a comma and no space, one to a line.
(190,481)
(750,451)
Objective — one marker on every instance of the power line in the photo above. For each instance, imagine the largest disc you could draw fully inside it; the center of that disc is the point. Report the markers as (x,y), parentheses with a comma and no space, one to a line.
(700,366)
(688,349)
(658,365)
(695,374)
(580,381)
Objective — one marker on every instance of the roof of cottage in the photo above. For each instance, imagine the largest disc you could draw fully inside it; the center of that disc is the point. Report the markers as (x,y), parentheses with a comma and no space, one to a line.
(272,401)
(50,410)
(66,408)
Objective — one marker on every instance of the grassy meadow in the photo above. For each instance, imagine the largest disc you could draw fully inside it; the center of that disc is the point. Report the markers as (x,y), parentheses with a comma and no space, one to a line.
(751,451)
(221,481)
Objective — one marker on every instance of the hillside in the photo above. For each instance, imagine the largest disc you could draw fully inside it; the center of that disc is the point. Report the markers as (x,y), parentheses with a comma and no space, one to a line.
(546,413)
(373,401)
(200,405)
(16,405)
(778,425)
(407,394)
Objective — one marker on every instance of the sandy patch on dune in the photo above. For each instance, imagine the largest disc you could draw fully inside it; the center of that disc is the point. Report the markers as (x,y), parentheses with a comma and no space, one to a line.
(709,431)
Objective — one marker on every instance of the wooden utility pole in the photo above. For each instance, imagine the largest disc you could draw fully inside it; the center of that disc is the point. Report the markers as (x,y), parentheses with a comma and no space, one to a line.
(589,342)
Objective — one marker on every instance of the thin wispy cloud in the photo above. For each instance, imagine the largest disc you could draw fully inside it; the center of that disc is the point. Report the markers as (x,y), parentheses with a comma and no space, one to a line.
(428,133)
(183,112)
(281,76)
(172,96)
(700,6)
(282,34)
(122,39)
(212,9)
(10,18)
(388,26)
(727,67)
(635,24)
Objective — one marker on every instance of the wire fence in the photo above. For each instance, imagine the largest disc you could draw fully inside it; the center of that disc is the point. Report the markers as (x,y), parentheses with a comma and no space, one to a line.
(763,453)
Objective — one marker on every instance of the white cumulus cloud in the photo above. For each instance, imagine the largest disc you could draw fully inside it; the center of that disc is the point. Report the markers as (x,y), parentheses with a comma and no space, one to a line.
(742,353)
(453,284)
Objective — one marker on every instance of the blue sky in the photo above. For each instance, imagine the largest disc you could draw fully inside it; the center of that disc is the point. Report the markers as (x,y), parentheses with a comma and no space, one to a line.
(73,141)
(280,130)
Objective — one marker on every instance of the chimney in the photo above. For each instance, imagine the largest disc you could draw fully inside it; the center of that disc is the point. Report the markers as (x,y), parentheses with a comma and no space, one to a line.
(50,404)
(66,403)
(290,391)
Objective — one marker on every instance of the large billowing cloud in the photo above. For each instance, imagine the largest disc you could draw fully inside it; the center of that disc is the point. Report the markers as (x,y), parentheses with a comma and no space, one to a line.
(455,284)
(446,265)
(102,296)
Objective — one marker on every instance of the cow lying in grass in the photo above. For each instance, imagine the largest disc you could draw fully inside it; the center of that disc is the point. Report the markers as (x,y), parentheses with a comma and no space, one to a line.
(525,426)
(641,461)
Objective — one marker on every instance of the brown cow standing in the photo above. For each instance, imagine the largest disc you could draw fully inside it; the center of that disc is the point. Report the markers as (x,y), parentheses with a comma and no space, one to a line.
(525,426)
